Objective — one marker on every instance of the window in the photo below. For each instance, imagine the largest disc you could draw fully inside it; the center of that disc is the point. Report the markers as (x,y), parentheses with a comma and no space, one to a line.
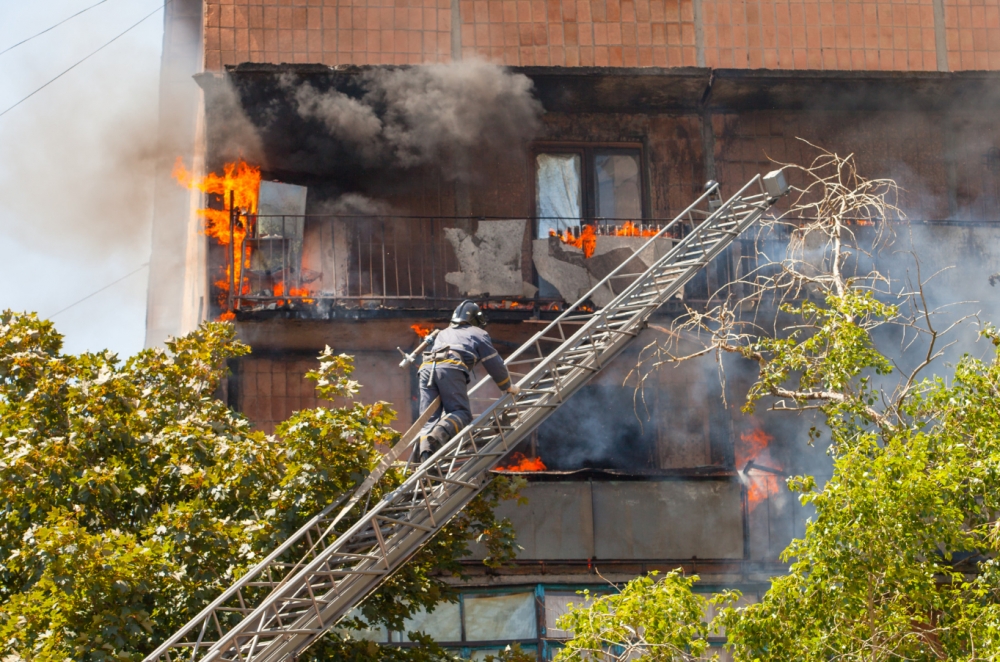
(497,617)
(616,186)
(558,191)
(576,183)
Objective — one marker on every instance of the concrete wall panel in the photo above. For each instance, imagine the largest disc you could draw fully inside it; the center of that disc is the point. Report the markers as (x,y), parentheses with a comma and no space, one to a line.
(556,523)
(668,520)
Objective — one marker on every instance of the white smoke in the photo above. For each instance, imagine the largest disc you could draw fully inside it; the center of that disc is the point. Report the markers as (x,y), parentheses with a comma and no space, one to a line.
(355,204)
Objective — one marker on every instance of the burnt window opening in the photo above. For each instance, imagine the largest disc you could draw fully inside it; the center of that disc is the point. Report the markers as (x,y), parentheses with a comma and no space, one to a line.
(576,183)
(598,428)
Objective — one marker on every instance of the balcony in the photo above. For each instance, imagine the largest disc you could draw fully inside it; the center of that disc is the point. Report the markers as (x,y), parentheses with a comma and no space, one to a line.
(314,266)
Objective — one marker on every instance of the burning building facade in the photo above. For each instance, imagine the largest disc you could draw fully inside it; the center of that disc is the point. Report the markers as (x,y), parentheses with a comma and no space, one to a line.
(379,162)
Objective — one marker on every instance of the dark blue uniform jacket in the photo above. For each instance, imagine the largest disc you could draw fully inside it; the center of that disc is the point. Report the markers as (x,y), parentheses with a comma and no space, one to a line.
(463,347)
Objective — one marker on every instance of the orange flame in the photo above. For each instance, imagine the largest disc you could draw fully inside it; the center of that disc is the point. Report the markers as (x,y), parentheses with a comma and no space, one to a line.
(279,291)
(586,241)
(760,488)
(508,304)
(242,181)
(420,330)
(240,178)
(752,445)
(522,463)
(630,229)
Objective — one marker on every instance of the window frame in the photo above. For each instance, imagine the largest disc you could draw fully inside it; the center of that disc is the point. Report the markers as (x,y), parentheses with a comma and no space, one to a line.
(588,172)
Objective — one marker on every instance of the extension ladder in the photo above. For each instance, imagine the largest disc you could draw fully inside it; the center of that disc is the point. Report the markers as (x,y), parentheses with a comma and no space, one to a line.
(312,580)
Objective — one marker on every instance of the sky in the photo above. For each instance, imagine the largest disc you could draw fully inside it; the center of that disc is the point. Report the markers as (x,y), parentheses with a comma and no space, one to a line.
(76,166)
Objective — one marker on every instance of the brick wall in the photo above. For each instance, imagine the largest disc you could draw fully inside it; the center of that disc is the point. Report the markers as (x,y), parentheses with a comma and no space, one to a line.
(269,390)
(901,35)
(973,34)
(602,33)
(823,34)
(359,32)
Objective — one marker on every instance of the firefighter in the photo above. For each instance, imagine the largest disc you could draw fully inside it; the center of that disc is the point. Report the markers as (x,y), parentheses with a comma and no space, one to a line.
(446,371)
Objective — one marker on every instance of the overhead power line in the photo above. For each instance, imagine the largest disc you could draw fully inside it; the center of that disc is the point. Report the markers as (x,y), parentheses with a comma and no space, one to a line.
(24,41)
(96,292)
(79,62)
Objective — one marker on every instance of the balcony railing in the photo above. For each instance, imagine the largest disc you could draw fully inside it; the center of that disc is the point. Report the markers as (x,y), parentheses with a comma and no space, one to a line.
(386,262)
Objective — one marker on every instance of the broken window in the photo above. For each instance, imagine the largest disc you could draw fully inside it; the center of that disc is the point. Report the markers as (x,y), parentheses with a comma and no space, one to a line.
(276,245)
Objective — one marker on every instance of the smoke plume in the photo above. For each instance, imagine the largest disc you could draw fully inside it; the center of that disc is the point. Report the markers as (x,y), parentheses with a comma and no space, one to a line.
(76,180)
(440,114)
(355,204)
(231,134)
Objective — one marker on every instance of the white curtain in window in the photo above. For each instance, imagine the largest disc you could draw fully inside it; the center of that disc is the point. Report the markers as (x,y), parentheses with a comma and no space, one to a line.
(558,192)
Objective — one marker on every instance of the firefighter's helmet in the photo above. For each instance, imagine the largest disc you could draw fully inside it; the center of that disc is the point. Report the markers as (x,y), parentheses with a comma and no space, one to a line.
(468,313)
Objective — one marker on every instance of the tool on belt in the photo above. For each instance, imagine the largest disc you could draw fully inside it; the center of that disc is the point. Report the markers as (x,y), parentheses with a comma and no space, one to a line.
(411,358)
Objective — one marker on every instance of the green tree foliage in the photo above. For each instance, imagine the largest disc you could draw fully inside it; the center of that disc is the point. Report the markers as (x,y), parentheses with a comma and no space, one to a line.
(131,496)
(899,562)
(656,620)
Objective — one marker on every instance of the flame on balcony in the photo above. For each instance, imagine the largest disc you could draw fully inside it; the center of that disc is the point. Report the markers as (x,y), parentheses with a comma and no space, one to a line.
(586,240)
(239,185)
(279,291)
(586,237)
(421,330)
(630,229)
(508,304)
(521,463)
(752,446)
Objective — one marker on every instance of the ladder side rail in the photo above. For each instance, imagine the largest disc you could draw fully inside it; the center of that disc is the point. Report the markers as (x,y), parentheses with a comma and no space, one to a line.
(242,582)
(614,273)
(457,500)
(219,603)
(632,291)
(585,374)
(283,593)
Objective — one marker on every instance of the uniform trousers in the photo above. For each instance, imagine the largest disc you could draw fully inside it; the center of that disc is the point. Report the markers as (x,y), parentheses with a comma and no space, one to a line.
(451,384)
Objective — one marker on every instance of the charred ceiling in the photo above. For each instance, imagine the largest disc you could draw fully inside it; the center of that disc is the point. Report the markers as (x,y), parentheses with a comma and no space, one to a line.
(683,89)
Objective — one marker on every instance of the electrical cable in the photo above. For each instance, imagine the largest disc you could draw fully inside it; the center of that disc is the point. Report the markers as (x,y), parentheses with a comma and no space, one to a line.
(79,62)
(95,293)
(24,41)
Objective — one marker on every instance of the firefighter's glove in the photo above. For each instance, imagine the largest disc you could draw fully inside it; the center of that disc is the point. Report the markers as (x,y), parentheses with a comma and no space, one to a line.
(514,389)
